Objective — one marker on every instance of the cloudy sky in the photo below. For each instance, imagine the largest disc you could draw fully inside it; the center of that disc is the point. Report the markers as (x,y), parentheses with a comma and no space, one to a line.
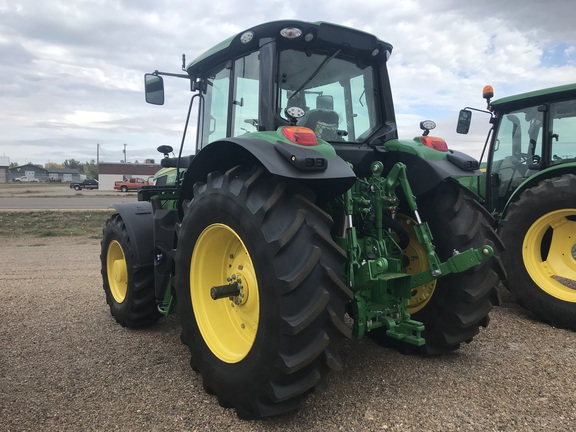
(71,71)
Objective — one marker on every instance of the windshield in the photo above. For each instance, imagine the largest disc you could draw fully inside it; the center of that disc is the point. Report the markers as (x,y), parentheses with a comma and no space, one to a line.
(336,94)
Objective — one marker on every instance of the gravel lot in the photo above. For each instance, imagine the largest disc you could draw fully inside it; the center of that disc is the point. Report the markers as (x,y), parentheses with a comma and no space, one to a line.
(66,365)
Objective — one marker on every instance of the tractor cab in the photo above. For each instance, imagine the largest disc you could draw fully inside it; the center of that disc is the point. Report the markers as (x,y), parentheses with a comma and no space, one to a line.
(336,76)
(531,132)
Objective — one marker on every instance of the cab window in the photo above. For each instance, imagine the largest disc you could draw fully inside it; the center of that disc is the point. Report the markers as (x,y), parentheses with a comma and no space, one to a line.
(518,148)
(563,131)
(215,118)
(245,103)
(223,117)
(336,94)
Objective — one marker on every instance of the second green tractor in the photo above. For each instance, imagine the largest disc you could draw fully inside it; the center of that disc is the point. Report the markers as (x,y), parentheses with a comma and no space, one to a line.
(529,186)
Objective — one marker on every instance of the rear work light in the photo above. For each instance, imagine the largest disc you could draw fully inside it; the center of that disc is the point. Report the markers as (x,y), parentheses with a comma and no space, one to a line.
(300,135)
(291,32)
(434,143)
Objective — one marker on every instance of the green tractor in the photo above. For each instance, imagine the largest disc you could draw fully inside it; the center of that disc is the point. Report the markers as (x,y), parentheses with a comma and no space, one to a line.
(530,188)
(300,220)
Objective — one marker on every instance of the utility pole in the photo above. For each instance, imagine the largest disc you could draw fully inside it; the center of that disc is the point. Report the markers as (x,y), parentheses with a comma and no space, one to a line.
(124,153)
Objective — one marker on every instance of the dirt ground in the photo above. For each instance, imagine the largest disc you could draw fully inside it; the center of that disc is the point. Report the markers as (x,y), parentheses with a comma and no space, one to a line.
(65,365)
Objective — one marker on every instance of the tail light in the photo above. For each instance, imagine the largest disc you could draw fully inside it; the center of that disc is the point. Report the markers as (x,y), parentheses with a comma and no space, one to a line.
(434,143)
(300,135)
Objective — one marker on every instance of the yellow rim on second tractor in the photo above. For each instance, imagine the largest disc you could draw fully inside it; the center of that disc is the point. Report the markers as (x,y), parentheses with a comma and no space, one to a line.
(117,271)
(549,253)
(415,261)
(228,325)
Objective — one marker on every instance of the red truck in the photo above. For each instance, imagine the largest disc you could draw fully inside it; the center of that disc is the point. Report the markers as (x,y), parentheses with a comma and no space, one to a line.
(129,184)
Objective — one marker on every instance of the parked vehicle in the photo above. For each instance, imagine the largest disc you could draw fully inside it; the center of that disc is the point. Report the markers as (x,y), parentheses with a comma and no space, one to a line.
(530,188)
(300,206)
(26,179)
(85,184)
(129,184)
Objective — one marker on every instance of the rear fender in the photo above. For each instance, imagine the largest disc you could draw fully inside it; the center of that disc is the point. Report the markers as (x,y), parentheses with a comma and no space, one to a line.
(425,174)
(222,155)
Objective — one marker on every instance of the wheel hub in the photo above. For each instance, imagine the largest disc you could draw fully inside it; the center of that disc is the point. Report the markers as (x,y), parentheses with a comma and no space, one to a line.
(413,262)
(117,270)
(549,253)
(224,293)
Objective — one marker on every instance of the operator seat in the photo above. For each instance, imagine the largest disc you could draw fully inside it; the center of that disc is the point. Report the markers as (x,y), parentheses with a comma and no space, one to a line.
(323,122)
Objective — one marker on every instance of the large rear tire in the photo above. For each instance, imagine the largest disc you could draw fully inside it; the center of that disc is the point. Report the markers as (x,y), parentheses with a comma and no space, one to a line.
(454,307)
(539,231)
(263,350)
(129,288)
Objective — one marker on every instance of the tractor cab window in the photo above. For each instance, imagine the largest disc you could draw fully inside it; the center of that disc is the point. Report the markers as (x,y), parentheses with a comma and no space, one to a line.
(215,115)
(563,131)
(223,117)
(336,94)
(518,150)
(245,103)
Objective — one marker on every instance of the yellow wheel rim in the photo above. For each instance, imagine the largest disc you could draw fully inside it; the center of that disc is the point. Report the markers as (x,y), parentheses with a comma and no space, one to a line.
(415,261)
(117,271)
(549,253)
(228,327)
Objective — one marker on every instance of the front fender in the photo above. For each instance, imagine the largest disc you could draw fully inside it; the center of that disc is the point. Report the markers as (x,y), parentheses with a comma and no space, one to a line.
(553,171)
(222,155)
(138,219)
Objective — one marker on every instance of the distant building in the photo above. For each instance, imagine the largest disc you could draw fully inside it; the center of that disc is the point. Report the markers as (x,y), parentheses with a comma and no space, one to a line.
(4,172)
(30,171)
(64,175)
(108,173)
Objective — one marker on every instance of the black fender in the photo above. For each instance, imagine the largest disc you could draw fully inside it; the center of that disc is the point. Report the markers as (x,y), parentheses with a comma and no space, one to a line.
(425,174)
(221,155)
(533,180)
(138,218)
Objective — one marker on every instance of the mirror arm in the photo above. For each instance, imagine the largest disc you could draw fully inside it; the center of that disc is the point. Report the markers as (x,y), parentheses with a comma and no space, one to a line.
(171,74)
(479,110)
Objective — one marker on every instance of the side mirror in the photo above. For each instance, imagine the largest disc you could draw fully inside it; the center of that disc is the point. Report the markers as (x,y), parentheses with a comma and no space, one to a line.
(154,89)
(464,120)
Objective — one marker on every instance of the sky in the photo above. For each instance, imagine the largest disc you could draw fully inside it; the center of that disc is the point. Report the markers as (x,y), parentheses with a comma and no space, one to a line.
(71,71)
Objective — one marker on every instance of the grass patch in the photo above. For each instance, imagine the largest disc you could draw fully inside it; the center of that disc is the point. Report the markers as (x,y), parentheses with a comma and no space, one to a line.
(80,223)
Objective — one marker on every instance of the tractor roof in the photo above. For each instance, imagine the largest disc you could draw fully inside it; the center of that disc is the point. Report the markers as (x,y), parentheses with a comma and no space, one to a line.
(316,35)
(532,98)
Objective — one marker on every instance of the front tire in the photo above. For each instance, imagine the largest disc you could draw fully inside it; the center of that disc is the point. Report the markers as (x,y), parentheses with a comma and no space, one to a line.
(129,288)
(539,231)
(264,350)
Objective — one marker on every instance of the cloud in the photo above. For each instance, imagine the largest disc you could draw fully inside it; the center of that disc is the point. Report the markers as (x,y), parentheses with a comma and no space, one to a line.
(71,72)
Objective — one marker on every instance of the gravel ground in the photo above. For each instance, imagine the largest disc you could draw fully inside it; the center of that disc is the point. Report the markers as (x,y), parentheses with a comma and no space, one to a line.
(65,365)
